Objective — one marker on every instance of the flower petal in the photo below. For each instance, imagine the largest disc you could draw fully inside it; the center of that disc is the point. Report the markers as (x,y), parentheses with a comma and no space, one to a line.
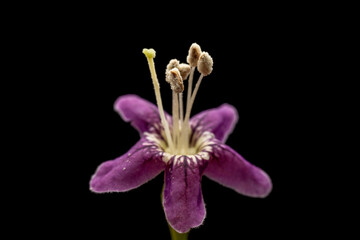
(183,201)
(139,165)
(230,169)
(220,121)
(141,113)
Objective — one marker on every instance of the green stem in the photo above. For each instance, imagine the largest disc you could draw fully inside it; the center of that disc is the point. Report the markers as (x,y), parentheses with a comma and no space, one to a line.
(178,236)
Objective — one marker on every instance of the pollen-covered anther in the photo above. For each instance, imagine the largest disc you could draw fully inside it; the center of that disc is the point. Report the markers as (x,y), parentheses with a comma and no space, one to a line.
(205,64)
(184,70)
(174,63)
(194,55)
(173,77)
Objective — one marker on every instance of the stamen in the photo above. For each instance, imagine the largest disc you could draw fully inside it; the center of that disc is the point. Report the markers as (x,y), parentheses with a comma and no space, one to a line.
(150,55)
(175,113)
(194,55)
(205,64)
(185,128)
(188,112)
(205,67)
(184,70)
(190,87)
(174,63)
(181,105)
(196,89)
(174,78)
(192,59)
(176,73)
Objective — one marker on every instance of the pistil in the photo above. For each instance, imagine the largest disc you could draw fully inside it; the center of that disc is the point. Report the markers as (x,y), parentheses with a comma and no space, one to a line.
(150,55)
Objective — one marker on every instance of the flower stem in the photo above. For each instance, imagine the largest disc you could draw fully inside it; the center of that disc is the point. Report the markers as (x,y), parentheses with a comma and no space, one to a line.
(178,236)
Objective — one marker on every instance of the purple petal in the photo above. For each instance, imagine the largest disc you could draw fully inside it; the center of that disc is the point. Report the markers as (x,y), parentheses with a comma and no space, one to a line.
(220,121)
(141,113)
(230,169)
(183,201)
(141,164)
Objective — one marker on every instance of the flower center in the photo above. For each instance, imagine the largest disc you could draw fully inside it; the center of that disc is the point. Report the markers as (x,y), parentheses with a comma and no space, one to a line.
(200,146)
(179,139)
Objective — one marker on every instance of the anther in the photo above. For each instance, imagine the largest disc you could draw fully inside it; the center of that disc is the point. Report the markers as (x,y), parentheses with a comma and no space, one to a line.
(205,64)
(184,70)
(174,78)
(194,55)
(174,63)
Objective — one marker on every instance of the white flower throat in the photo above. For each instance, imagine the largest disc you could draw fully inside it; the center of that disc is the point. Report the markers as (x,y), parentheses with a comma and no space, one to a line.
(177,139)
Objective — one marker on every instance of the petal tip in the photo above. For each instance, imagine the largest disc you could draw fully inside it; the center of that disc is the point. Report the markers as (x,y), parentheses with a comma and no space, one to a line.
(184,229)
(182,225)
(268,188)
(94,185)
(140,112)
(230,112)
(123,100)
(264,186)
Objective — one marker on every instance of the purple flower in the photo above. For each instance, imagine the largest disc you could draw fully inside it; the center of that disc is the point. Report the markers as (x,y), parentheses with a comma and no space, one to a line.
(205,153)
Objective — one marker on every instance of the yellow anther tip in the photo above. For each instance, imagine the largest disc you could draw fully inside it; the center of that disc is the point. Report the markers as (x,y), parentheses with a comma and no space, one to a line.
(149,53)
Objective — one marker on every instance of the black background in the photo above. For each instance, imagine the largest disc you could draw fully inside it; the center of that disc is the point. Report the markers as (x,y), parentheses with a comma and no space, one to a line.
(263,65)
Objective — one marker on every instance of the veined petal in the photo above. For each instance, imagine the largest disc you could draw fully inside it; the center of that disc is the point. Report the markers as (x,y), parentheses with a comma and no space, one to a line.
(182,199)
(141,113)
(140,164)
(230,169)
(220,121)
